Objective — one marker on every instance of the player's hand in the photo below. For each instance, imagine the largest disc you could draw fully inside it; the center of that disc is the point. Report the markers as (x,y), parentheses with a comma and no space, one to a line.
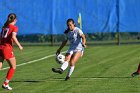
(58,52)
(84,45)
(21,48)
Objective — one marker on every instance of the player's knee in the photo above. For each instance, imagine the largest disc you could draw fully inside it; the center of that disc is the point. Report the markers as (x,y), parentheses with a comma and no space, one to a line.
(72,63)
(67,59)
(0,67)
(14,67)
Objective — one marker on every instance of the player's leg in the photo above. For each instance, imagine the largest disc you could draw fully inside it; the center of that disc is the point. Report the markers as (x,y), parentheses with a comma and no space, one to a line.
(1,59)
(1,62)
(64,65)
(73,61)
(137,72)
(12,64)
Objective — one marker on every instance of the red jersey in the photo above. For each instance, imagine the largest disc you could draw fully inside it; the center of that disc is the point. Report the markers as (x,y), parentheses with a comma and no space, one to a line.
(6,34)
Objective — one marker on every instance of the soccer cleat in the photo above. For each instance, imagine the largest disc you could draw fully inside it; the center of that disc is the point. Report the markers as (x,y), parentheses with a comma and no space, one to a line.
(7,87)
(135,74)
(67,78)
(57,70)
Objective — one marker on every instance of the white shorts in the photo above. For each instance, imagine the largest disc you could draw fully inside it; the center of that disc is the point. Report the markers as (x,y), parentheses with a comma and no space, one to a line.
(71,51)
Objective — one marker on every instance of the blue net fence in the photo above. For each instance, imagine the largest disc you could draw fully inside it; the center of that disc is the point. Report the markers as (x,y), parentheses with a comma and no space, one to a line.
(46,19)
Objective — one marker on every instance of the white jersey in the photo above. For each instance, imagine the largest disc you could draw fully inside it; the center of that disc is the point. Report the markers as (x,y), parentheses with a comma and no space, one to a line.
(75,39)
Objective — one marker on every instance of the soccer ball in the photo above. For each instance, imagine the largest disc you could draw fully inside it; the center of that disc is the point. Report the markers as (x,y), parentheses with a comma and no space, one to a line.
(60,59)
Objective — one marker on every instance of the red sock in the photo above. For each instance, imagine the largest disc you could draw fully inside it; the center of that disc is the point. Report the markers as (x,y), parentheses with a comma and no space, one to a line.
(138,70)
(5,83)
(9,75)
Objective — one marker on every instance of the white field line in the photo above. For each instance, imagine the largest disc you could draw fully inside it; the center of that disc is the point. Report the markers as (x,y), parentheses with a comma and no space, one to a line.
(33,61)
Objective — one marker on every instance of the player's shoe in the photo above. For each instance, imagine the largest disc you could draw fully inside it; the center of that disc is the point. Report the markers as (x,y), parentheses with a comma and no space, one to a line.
(67,78)
(7,87)
(135,74)
(57,70)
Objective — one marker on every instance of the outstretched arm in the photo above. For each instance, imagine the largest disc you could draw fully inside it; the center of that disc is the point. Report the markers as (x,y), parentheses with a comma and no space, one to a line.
(83,40)
(62,45)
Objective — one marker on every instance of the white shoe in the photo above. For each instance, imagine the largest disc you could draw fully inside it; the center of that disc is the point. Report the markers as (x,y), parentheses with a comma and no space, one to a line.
(7,87)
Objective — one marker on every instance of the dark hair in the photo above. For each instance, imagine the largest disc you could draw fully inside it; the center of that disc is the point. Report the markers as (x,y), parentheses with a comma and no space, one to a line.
(69,20)
(10,19)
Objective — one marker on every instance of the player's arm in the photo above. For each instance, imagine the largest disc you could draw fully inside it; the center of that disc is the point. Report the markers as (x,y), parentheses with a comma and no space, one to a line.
(16,40)
(62,45)
(83,40)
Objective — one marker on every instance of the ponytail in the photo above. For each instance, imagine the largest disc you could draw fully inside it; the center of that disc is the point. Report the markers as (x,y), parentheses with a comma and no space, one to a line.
(10,19)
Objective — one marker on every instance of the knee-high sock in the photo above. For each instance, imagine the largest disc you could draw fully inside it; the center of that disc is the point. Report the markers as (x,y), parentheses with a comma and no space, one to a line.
(9,75)
(71,69)
(138,70)
(64,65)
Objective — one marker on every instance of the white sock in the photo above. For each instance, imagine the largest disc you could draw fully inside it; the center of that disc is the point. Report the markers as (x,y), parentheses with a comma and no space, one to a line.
(71,69)
(64,65)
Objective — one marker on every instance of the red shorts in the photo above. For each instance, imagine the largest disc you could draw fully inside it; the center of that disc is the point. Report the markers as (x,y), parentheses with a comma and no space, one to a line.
(6,51)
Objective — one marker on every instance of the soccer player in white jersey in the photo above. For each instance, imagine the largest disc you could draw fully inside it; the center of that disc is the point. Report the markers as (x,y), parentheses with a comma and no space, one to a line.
(77,44)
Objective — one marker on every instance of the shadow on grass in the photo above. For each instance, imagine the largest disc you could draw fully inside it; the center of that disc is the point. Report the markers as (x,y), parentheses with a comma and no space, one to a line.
(29,81)
(42,80)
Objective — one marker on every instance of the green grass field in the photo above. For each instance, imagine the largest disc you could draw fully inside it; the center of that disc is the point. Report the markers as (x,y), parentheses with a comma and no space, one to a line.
(103,69)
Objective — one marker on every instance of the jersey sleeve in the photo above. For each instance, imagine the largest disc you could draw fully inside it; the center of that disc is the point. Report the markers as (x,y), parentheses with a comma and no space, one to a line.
(80,32)
(15,29)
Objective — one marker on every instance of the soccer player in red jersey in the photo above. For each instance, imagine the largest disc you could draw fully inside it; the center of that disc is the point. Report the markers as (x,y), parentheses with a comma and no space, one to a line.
(7,38)
(137,72)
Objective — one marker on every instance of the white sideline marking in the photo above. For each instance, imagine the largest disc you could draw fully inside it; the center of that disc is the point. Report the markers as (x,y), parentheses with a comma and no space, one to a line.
(33,61)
